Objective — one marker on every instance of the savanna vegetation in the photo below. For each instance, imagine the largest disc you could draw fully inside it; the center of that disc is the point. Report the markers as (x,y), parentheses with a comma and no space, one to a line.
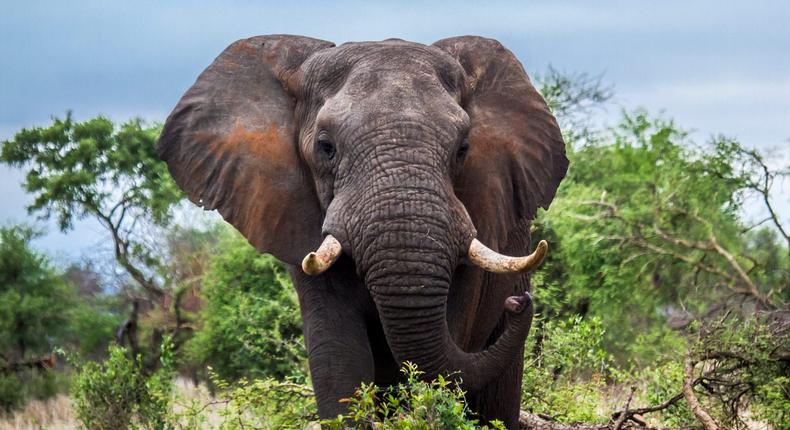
(663,302)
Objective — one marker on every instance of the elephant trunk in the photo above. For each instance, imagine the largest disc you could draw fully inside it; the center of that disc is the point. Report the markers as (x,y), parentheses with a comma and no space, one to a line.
(412,305)
(407,263)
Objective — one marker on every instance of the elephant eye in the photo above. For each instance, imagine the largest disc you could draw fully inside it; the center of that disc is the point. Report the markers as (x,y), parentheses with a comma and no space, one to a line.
(463,149)
(326,147)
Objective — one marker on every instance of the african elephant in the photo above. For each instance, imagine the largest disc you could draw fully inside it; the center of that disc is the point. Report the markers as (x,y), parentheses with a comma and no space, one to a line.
(395,162)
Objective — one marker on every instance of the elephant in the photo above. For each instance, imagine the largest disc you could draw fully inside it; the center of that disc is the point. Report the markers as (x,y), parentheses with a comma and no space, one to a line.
(387,177)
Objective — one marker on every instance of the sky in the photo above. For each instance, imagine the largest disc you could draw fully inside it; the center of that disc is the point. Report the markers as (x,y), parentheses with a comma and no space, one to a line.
(715,67)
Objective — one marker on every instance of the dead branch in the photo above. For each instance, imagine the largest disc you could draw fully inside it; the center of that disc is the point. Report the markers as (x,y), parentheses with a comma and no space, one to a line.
(752,288)
(618,424)
(529,421)
(628,419)
(691,398)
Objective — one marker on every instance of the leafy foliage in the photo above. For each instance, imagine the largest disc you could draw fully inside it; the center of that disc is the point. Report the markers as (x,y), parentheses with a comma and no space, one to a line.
(411,405)
(112,174)
(744,364)
(649,242)
(658,229)
(77,168)
(250,320)
(271,404)
(39,311)
(266,403)
(565,373)
(117,394)
(34,300)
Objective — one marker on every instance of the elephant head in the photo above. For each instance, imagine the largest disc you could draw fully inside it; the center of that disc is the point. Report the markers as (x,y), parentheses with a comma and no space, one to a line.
(403,156)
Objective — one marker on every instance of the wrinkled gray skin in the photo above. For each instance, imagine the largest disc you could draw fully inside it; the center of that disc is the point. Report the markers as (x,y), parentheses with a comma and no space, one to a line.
(403,152)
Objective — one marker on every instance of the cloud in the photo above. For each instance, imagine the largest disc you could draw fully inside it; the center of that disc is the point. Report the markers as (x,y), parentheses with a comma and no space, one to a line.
(715,66)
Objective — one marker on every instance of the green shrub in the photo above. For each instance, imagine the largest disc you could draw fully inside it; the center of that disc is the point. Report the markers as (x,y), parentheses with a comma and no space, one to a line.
(266,404)
(565,370)
(11,397)
(413,404)
(773,402)
(34,307)
(659,384)
(251,324)
(116,394)
(276,404)
(746,368)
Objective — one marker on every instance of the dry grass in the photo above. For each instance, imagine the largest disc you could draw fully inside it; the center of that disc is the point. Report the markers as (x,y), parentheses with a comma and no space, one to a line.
(52,414)
(57,414)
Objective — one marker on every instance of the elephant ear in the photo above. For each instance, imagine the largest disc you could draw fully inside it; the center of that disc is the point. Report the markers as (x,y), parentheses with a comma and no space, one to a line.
(517,156)
(231,145)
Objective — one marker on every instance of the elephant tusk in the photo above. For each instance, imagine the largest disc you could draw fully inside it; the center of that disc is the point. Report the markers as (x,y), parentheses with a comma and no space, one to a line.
(318,262)
(492,261)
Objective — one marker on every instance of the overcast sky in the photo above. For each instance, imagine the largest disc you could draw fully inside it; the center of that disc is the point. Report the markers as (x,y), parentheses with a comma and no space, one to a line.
(713,66)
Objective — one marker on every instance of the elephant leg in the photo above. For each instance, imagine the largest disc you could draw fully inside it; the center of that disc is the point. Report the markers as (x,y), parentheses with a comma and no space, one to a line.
(337,344)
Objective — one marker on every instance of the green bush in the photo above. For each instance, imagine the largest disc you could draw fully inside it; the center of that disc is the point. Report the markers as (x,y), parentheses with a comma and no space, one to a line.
(411,405)
(660,383)
(276,404)
(34,307)
(117,394)
(263,404)
(773,404)
(565,369)
(745,365)
(251,326)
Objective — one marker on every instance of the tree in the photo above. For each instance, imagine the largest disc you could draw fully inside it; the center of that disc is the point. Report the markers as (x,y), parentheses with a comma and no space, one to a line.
(34,301)
(573,99)
(111,174)
(93,169)
(661,213)
(39,312)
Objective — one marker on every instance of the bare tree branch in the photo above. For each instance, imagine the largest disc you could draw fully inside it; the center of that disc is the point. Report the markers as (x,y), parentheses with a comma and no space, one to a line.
(691,398)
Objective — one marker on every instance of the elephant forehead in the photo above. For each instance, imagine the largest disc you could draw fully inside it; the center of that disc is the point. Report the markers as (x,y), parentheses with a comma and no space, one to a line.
(390,63)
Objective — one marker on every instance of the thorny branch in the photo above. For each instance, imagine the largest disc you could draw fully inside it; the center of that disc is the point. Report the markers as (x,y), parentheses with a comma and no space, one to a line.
(738,278)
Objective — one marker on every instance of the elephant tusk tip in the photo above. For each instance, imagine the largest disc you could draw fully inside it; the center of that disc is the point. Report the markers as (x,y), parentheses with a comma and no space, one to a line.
(319,261)
(540,252)
(309,264)
(533,261)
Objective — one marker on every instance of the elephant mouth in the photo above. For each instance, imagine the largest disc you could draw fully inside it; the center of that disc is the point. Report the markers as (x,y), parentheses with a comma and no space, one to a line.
(320,260)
